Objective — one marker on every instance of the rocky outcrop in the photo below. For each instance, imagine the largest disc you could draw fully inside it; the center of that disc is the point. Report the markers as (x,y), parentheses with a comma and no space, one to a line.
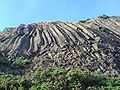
(93,44)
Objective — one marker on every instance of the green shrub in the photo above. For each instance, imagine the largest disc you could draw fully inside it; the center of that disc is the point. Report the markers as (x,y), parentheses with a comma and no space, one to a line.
(21,61)
(10,82)
(60,79)
(104,16)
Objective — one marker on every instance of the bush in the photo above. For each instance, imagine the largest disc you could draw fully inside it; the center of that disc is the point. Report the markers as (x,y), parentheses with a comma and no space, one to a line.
(60,79)
(10,82)
(21,61)
(104,16)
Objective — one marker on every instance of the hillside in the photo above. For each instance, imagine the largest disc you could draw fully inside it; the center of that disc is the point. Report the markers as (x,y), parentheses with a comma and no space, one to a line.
(93,44)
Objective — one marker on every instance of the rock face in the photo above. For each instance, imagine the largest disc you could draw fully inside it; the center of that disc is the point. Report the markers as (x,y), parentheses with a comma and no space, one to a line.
(93,44)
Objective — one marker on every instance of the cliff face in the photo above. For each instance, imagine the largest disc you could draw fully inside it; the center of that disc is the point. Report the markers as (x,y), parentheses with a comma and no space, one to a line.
(93,44)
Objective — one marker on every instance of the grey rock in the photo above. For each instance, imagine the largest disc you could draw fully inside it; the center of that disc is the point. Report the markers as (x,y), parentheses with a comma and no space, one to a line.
(93,44)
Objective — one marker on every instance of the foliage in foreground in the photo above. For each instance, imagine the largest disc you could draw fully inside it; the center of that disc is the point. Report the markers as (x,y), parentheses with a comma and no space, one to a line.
(60,79)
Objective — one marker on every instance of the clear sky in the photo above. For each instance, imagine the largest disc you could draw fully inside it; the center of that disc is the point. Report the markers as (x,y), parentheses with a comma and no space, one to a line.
(15,12)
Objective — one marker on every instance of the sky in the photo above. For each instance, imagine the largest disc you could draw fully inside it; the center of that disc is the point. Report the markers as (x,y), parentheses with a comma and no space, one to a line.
(15,12)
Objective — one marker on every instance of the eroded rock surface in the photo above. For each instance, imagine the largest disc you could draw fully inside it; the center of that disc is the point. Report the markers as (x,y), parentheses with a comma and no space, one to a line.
(93,44)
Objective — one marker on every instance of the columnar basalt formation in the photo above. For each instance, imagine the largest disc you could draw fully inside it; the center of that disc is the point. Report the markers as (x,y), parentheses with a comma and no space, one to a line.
(93,44)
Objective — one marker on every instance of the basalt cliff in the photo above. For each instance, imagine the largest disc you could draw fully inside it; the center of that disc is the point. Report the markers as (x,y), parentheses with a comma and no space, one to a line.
(93,44)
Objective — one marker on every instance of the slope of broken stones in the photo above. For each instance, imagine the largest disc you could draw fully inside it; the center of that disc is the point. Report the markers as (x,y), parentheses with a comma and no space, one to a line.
(93,44)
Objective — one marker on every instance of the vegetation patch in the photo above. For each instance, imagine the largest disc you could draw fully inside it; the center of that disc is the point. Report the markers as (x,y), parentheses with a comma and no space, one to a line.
(21,61)
(60,79)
